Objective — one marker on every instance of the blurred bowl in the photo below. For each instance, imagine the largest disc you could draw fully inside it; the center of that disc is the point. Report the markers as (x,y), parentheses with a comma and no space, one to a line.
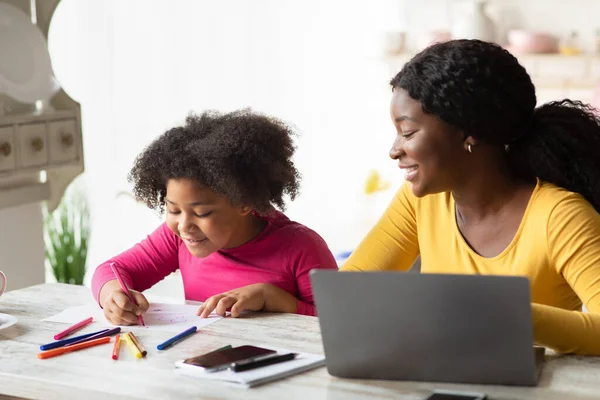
(522,41)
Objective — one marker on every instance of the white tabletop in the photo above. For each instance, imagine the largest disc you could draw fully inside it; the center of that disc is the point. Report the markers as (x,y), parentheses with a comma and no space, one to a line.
(92,374)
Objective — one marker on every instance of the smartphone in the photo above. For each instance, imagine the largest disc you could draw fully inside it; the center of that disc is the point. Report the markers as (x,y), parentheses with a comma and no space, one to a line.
(218,360)
(451,395)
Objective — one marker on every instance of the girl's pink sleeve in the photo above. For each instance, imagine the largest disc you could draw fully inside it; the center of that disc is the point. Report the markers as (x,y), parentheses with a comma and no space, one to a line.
(143,265)
(308,251)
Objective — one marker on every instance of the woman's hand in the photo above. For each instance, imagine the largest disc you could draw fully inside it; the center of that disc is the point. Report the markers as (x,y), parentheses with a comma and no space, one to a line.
(117,307)
(255,297)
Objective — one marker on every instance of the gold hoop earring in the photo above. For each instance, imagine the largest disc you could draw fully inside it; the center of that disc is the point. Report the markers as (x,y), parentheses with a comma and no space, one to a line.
(470,148)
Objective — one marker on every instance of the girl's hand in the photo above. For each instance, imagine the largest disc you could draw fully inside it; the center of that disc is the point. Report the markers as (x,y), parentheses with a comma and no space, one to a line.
(119,310)
(255,297)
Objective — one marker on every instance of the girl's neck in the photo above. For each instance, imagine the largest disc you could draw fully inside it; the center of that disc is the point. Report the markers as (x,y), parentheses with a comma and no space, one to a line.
(249,228)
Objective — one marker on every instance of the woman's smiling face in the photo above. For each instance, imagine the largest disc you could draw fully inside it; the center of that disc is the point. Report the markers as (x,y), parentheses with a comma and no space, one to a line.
(430,151)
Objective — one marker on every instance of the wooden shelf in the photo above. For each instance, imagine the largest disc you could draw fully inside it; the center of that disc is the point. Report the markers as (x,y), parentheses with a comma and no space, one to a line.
(10,197)
(548,71)
(536,58)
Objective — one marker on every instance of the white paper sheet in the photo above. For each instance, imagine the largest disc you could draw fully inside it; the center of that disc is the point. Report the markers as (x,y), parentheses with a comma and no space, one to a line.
(160,316)
(303,362)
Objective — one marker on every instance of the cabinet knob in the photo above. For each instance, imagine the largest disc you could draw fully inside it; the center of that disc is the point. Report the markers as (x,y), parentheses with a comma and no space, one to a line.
(5,149)
(66,139)
(37,144)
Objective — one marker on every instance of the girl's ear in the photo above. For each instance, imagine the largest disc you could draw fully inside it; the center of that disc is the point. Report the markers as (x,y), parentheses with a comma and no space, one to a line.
(245,210)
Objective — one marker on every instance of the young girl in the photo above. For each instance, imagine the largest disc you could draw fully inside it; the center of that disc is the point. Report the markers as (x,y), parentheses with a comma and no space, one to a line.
(218,178)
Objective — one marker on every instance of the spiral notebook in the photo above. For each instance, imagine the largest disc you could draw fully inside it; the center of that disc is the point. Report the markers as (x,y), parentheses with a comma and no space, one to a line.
(303,362)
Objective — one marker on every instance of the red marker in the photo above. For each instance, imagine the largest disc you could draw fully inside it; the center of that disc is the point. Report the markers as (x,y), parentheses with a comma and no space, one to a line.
(115,353)
(73,328)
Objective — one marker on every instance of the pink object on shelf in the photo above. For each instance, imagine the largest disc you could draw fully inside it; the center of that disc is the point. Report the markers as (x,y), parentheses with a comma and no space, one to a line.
(522,41)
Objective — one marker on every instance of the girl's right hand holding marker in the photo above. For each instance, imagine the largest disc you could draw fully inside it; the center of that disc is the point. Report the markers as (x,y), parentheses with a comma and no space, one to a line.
(117,307)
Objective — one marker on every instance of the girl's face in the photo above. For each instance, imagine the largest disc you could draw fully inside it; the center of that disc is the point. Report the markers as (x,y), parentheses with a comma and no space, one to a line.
(204,220)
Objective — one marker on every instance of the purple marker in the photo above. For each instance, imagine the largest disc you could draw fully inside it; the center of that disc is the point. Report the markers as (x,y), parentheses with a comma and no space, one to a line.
(108,332)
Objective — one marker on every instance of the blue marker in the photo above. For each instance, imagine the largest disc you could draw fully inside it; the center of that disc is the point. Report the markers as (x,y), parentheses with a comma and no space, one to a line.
(177,338)
(98,335)
(64,342)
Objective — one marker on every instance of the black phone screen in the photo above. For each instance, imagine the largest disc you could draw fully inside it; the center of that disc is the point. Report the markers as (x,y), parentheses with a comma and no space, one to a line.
(217,358)
(448,396)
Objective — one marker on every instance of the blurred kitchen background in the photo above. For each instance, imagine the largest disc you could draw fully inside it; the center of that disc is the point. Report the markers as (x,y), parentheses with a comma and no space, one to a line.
(137,67)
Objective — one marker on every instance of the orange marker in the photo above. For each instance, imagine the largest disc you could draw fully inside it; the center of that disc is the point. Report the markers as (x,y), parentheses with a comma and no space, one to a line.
(137,344)
(75,347)
(115,354)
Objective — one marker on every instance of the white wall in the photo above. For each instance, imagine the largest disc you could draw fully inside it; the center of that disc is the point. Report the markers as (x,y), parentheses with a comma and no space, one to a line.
(138,67)
(22,245)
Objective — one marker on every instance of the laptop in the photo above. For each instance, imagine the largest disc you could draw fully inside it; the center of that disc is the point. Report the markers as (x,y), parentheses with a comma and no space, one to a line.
(427,327)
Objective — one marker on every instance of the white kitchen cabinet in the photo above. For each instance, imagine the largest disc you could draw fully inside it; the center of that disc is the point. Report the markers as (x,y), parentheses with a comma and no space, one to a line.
(35,143)
(37,162)
(595,69)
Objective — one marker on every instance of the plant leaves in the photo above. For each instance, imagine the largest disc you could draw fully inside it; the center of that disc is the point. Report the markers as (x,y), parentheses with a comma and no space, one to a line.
(66,236)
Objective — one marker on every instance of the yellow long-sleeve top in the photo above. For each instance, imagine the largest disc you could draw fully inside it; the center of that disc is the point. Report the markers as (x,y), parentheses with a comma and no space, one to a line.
(557,246)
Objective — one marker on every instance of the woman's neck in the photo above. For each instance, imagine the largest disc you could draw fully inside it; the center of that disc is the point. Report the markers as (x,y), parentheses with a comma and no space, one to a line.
(487,191)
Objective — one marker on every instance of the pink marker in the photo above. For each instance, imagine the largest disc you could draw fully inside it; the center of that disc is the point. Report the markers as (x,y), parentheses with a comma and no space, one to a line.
(125,289)
(73,328)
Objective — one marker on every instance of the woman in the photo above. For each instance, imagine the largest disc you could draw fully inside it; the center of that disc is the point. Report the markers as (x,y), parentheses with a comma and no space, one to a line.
(495,186)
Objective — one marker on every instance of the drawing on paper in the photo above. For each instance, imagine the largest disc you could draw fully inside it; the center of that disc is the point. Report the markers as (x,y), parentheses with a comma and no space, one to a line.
(172,319)
(162,316)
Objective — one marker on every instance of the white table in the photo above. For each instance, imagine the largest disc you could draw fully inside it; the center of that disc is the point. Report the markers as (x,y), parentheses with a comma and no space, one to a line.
(92,374)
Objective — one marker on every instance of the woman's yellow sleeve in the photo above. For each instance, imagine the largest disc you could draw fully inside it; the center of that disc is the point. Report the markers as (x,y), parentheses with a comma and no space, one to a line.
(392,244)
(573,237)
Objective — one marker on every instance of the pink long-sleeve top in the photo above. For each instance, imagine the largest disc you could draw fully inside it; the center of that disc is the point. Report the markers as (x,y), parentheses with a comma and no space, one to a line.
(282,255)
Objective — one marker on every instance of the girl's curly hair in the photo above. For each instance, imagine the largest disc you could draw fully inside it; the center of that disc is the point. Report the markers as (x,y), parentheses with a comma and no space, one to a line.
(242,155)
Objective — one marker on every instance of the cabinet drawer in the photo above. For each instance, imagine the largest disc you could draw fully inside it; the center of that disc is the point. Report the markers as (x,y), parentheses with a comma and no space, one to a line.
(563,68)
(595,69)
(33,146)
(62,141)
(7,149)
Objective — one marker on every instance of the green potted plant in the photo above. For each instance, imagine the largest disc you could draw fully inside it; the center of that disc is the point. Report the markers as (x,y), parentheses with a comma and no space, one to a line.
(66,236)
